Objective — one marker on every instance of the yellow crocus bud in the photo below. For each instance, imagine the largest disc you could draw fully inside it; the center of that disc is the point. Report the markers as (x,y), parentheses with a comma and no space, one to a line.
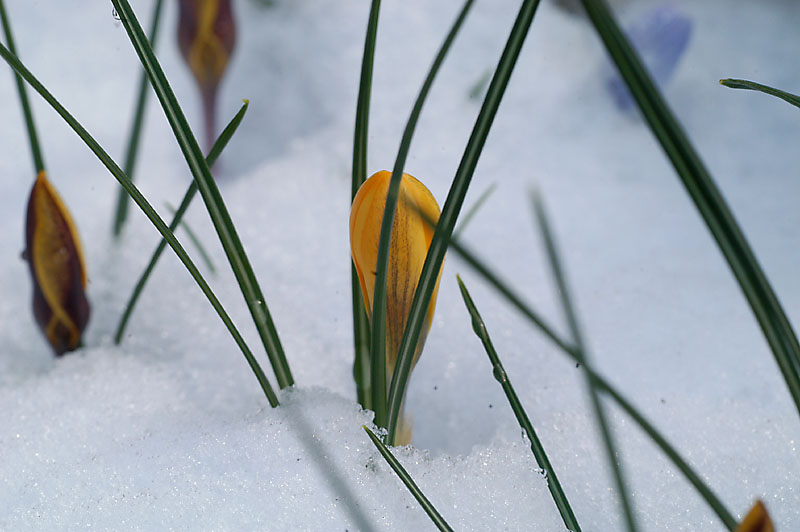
(412,233)
(757,520)
(206,37)
(56,263)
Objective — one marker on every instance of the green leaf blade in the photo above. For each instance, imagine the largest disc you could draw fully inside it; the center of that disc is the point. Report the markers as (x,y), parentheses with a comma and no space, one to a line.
(194,239)
(213,155)
(400,471)
(516,301)
(131,152)
(582,357)
(148,210)
(33,137)
(362,372)
(539,453)
(377,344)
(452,208)
(753,86)
(707,198)
(212,198)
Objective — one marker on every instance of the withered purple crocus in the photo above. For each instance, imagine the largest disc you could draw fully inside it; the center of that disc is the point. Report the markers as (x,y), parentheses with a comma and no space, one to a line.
(53,252)
(206,37)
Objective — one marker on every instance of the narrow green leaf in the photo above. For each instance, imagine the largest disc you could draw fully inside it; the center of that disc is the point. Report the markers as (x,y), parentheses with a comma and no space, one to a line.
(470,214)
(487,273)
(494,280)
(478,88)
(398,468)
(706,196)
(702,488)
(361,133)
(753,86)
(215,152)
(361,335)
(581,351)
(33,138)
(468,256)
(151,214)
(220,217)
(559,497)
(525,309)
(136,128)
(377,348)
(193,238)
(451,209)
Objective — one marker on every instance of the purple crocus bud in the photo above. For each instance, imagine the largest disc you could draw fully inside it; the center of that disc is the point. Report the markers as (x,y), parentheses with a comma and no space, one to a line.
(206,37)
(660,38)
(53,252)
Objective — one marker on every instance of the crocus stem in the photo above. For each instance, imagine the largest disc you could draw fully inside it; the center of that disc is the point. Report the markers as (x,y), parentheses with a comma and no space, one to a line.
(209,116)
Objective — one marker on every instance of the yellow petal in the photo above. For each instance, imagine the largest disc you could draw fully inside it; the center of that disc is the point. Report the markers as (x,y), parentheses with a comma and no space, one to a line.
(757,520)
(411,238)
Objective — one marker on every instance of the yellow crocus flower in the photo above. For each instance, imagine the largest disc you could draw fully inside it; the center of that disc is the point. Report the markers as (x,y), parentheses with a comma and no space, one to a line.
(412,233)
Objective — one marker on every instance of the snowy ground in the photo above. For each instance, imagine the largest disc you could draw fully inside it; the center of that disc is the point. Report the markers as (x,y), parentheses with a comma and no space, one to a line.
(171,431)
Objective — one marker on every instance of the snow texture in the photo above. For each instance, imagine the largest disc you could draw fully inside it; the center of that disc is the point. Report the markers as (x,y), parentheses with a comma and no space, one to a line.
(170,431)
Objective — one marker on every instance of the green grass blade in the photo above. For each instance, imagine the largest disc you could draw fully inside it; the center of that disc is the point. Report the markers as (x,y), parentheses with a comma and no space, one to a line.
(470,214)
(33,138)
(517,302)
(361,133)
(213,155)
(526,310)
(148,210)
(451,209)
(479,87)
(361,335)
(697,482)
(129,164)
(377,347)
(398,468)
(220,217)
(753,86)
(489,275)
(559,497)
(706,196)
(193,238)
(581,351)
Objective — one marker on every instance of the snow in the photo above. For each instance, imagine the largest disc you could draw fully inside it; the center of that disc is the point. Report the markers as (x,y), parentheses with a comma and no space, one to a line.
(171,431)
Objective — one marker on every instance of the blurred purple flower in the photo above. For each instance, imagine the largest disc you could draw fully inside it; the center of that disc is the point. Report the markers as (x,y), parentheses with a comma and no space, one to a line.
(660,37)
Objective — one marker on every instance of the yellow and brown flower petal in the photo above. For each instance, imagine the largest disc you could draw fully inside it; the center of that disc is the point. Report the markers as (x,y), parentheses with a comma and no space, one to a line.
(757,520)
(411,238)
(53,253)
(206,37)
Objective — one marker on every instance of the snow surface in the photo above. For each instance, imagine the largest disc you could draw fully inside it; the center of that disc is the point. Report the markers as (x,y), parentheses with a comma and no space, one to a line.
(170,431)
